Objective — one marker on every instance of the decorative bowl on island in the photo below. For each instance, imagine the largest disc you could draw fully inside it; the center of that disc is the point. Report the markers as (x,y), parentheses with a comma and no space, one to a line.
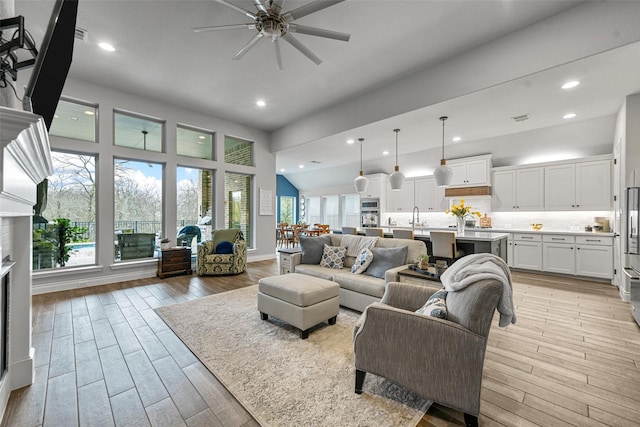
(536,226)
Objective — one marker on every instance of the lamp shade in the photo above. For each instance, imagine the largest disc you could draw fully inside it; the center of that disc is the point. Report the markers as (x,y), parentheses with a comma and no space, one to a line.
(396,179)
(361,182)
(443,174)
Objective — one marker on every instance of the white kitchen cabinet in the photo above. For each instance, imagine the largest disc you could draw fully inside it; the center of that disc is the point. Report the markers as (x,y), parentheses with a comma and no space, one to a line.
(471,171)
(518,190)
(428,196)
(558,254)
(374,188)
(527,251)
(402,200)
(594,256)
(578,186)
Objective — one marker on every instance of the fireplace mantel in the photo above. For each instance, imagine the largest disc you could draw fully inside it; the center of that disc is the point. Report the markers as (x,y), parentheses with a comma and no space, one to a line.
(25,154)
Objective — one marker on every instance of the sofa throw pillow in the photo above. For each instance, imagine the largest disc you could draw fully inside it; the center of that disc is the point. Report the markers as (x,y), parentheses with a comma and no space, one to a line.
(436,305)
(333,256)
(224,248)
(362,261)
(385,259)
(312,248)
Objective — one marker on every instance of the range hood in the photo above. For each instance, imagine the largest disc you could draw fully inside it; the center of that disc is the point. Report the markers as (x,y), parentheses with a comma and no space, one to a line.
(478,192)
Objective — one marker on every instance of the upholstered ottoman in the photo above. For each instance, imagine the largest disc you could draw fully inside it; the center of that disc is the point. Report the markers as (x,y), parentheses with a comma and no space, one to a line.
(300,300)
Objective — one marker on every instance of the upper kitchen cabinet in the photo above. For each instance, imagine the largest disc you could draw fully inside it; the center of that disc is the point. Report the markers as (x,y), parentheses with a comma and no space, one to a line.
(470,171)
(401,200)
(520,189)
(428,196)
(578,186)
(376,187)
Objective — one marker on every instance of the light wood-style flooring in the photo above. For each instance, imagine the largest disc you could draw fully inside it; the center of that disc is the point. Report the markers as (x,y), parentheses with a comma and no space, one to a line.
(103,357)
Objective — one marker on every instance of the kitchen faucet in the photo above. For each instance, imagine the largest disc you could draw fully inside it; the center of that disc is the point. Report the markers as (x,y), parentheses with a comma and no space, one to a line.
(414,218)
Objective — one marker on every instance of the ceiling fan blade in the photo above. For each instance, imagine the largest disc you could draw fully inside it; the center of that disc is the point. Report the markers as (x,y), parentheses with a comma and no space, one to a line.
(224,27)
(309,9)
(248,46)
(276,45)
(302,48)
(261,7)
(303,29)
(238,9)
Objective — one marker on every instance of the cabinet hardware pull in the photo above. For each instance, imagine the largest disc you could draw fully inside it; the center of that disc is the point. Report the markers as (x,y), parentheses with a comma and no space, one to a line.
(527,237)
(557,238)
(593,240)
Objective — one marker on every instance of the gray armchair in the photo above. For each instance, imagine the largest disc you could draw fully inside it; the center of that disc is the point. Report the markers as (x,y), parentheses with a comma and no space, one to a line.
(440,360)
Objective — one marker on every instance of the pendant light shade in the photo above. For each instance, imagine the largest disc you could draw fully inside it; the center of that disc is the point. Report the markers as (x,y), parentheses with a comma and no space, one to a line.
(443,173)
(361,181)
(396,179)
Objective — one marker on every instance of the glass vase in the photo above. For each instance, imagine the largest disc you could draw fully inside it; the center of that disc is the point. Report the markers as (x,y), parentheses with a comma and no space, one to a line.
(460,225)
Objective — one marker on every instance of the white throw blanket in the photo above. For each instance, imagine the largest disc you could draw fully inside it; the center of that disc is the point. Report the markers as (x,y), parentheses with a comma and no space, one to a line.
(473,268)
(355,244)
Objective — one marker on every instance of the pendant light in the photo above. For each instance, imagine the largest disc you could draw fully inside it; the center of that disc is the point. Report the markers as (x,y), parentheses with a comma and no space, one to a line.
(361,181)
(443,172)
(396,179)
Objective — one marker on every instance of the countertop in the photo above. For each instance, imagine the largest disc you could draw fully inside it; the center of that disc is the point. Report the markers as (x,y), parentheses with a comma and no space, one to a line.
(424,230)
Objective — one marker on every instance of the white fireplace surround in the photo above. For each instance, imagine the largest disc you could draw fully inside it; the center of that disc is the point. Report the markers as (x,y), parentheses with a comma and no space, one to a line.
(25,159)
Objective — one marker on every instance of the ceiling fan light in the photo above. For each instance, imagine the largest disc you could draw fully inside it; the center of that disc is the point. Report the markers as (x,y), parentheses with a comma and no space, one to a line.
(361,182)
(396,179)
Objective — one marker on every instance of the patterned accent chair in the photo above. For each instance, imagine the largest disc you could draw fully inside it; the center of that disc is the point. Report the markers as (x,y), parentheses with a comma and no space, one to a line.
(211,263)
(440,360)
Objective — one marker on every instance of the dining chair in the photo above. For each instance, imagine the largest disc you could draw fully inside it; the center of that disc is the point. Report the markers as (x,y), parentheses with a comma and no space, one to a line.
(377,232)
(443,245)
(349,230)
(399,233)
(286,234)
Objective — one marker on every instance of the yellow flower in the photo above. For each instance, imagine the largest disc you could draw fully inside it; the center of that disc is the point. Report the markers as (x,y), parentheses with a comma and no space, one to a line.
(461,210)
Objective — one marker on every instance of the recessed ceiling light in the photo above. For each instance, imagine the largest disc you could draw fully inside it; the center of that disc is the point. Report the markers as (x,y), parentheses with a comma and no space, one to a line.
(384,153)
(260,103)
(456,139)
(301,166)
(74,118)
(571,84)
(106,46)
(350,141)
(281,170)
(90,113)
(569,116)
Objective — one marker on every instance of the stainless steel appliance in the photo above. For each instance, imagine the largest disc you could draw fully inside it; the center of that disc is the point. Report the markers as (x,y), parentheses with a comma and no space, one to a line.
(369,213)
(632,250)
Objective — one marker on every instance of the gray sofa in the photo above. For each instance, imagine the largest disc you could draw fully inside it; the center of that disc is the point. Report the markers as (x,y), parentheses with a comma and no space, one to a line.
(357,291)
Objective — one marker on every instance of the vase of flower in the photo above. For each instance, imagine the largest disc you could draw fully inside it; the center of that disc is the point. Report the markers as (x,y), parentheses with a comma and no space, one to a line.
(460,221)
(460,211)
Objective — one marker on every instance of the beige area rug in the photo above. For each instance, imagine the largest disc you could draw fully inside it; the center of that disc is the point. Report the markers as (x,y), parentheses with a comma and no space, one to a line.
(278,377)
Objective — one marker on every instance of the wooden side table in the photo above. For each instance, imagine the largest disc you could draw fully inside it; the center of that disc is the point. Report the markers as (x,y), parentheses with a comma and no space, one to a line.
(285,259)
(174,261)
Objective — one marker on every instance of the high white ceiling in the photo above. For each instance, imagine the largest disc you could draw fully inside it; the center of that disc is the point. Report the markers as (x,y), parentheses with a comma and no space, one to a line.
(159,56)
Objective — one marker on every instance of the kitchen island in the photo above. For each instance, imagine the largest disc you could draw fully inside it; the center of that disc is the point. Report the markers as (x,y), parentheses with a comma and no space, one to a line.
(471,242)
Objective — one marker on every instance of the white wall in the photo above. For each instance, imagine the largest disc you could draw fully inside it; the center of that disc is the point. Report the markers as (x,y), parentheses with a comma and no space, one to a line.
(108,99)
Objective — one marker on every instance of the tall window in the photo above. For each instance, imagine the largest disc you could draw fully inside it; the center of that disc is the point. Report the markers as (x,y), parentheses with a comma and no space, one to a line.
(287,209)
(74,120)
(314,213)
(238,213)
(332,211)
(66,200)
(351,210)
(137,132)
(238,151)
(137,208)
(194,203)
(194,143)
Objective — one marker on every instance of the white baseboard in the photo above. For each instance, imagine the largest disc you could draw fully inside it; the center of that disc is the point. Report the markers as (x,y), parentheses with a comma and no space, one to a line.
(84,282)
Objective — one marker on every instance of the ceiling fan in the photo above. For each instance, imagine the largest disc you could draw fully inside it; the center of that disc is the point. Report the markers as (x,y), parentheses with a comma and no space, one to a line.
(271,22)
